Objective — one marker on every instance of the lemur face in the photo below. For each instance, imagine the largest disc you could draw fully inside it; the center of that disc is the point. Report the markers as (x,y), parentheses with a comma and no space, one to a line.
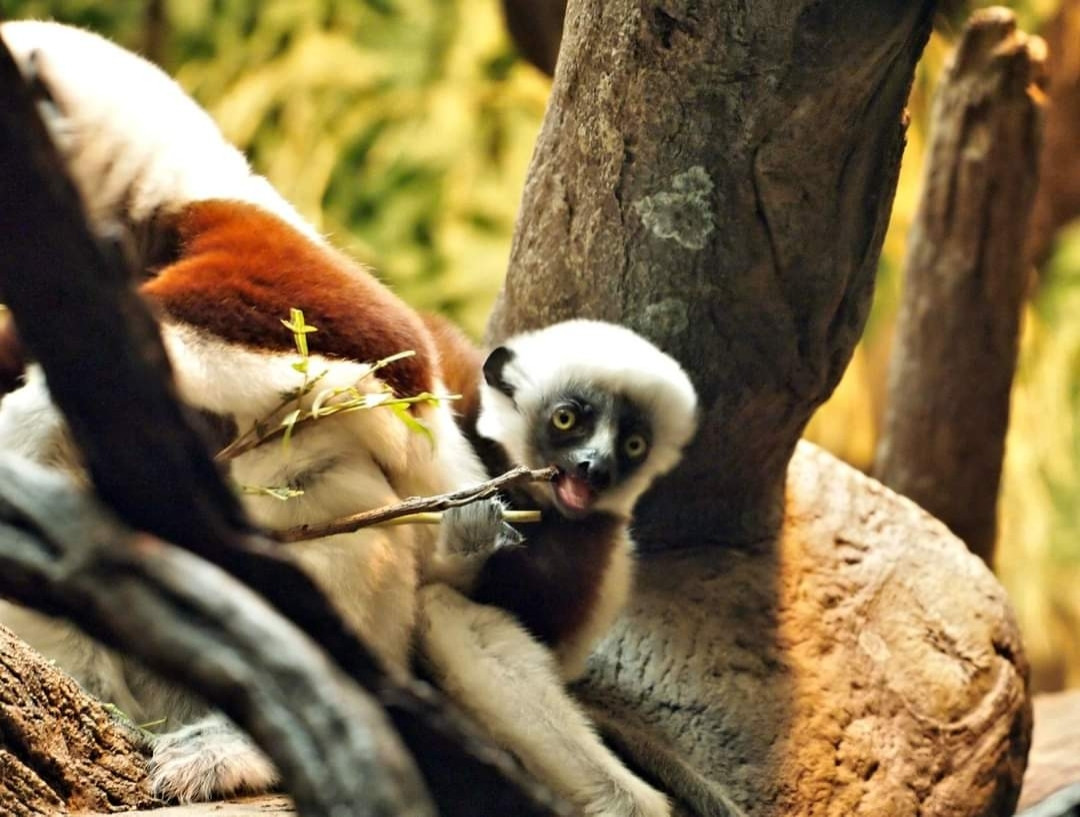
(600,402)
(590,424)
(595,438)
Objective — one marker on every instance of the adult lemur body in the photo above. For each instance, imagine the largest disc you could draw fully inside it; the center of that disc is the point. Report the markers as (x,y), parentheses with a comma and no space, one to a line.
(224,258)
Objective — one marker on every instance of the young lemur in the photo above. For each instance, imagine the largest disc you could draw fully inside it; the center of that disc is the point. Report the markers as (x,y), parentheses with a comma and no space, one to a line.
(612,418)
(223,257)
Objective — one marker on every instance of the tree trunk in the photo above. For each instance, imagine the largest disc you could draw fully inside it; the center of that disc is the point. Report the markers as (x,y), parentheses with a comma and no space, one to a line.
(964,283)
(720,180)
(84,760)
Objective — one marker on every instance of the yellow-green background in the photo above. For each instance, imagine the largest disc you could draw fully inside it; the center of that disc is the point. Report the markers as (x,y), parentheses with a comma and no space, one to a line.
(403,129)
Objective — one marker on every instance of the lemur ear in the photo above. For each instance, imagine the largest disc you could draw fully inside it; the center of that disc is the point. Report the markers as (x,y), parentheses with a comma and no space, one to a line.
(494,370)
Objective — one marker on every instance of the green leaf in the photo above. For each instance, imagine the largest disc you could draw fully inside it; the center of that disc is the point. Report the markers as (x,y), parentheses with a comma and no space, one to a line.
(289,422)
(414,424)
(280,492)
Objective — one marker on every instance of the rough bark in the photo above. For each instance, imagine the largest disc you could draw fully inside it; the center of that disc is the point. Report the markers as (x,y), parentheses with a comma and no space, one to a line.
(150,466)
(1052,781)
(720,181)
(83,761)
(536,27)
(1058,200)
(862,664)
(965,278)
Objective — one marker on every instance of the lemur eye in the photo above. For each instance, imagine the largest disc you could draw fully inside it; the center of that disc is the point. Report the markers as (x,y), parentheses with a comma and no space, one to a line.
(564,418)
(635,446)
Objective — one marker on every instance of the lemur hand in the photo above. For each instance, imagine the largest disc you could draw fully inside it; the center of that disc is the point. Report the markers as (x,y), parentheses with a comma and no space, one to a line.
(468,535)
(477,530)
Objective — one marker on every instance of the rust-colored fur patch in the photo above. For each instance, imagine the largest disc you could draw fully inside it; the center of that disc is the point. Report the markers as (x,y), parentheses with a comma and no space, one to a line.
(460,361)
(240,270)
(12,363)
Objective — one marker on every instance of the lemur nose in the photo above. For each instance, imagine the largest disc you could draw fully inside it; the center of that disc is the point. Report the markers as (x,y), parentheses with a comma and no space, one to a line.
(595,472)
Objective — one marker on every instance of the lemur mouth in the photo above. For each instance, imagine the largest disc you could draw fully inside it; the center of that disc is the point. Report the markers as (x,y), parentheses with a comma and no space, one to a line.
(573,493)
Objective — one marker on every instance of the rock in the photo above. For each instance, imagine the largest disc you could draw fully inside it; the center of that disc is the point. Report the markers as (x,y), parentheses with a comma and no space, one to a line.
(862,663)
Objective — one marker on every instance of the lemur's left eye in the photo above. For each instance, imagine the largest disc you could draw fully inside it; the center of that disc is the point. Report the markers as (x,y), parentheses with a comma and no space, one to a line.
(564,418)
(635,446)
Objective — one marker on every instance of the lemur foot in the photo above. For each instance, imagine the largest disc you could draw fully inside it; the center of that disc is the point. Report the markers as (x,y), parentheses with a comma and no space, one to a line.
(477,530)
(208,760)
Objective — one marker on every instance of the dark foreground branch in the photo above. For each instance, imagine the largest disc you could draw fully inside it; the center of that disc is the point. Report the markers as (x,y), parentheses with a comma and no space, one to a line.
(964,282)
(153,469)
(61,552)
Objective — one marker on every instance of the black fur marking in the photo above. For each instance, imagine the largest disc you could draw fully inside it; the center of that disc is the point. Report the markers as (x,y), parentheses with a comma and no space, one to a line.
(577,449)
(551,583)
(39,89)
(493,370)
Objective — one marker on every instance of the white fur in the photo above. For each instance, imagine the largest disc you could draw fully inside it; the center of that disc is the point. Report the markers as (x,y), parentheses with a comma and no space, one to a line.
(501,676)
(208,759)
(138,147)
(106,97)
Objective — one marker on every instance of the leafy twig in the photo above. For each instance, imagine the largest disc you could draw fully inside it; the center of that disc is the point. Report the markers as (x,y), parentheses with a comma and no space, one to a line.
(281,423)
(417,504)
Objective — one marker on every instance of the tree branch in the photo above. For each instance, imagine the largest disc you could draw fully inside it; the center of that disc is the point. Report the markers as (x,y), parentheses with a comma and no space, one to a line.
(965,277)
(1057,202)
(59,551)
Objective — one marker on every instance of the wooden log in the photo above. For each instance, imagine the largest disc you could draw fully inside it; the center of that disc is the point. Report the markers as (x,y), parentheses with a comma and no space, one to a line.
(965,276)
(84,761)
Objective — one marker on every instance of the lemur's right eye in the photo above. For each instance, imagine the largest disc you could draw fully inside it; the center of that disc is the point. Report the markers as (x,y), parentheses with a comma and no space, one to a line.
(563,418)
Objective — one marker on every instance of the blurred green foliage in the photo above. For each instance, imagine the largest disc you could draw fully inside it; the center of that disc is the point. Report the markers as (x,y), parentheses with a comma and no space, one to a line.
(403,129)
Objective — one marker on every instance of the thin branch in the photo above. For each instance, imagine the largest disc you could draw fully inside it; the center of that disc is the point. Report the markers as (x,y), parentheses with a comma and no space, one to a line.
(436,518)
(418,504)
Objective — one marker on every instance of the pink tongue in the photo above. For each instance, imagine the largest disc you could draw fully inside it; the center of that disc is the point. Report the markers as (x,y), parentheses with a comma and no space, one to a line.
(574,492)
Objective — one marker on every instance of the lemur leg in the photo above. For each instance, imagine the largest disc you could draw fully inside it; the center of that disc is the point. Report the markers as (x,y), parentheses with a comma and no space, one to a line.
(509,683)
(206,760)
